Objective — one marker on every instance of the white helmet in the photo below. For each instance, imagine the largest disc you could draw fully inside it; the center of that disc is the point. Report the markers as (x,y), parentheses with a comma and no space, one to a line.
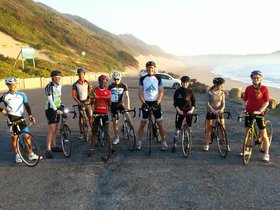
(11,80)
(116,75)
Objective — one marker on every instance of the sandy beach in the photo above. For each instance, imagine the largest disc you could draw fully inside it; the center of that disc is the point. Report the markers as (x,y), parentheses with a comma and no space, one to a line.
(200,71)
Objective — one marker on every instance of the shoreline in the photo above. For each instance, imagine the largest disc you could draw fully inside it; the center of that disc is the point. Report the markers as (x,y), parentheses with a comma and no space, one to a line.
(201,71)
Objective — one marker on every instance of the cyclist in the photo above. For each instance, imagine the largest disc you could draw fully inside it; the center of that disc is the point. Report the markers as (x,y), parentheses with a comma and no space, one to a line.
(215,103)
(81,94)
(150,93)
(256,100)
(184,102)
(15,102)
(101,99)
(53,102)
(119,91)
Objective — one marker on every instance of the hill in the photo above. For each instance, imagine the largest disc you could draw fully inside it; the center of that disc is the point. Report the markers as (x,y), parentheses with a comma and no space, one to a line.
(63,38)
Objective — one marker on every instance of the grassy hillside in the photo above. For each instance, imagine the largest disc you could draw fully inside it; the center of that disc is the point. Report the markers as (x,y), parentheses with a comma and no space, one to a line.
(63,38)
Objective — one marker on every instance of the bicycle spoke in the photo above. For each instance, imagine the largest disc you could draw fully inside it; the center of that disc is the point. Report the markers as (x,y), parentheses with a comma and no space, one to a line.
(104,144)
(130,140)
(28,149)
(222,141)
(66,141)
(248,146)
(186,141)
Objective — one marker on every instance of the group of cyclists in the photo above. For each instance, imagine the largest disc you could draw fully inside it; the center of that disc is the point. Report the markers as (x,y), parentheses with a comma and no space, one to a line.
(102,100)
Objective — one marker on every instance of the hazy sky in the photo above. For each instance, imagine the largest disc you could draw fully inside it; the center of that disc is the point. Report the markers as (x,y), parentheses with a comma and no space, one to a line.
(186,27)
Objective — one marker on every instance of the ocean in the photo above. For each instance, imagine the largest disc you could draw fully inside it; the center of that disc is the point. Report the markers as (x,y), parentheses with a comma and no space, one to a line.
(241,73)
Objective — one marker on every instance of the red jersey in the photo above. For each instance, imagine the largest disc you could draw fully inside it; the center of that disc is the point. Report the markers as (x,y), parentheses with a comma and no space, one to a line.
(101,98)
(254,103)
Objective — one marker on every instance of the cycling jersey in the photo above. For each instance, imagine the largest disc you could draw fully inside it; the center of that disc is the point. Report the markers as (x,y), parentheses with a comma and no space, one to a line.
(14,102)
(184,99)
(53,93)
(150,86)
(254,103)
(215,99)
(82,90)
(101,98)
(117,91)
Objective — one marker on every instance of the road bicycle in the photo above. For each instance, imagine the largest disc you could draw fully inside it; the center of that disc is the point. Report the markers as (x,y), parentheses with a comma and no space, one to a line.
(219,133)
(65,132)
(85,129)
(128,132)
(26,144)
(152,128)
(185,134)
(252,138)
(103,139)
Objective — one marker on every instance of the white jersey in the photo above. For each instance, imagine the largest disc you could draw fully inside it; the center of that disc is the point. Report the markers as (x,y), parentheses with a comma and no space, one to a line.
(150,86)
(14,102)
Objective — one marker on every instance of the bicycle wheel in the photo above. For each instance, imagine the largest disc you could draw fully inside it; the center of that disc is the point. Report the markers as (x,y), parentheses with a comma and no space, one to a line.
(104,144)
(150,136)
(85,129)
(222,142)
(130,138)
(66,140)
(186,141)
(27,144)
(248,146)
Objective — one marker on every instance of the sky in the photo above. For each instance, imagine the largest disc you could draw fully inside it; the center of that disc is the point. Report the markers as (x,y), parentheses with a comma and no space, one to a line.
(186,27)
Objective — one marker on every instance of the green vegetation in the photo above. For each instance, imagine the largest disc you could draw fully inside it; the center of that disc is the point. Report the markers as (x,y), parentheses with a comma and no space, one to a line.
(62,38)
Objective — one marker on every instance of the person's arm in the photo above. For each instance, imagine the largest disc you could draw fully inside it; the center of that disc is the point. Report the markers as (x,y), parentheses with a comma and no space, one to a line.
(223,102)
(208,103)
(140,95)
(160,94)
(74,96)
(127,100)
(48,92)
(28,110)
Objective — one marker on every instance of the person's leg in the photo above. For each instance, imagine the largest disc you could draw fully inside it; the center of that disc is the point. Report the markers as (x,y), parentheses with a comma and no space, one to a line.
(51,135)
(140,134)
(208,131)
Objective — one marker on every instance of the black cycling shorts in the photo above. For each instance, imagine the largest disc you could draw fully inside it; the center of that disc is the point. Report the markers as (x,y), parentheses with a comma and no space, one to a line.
(52,116)
(259,120)
(179,120)
(116,107)
(212,116)
(96,120)
(157,113)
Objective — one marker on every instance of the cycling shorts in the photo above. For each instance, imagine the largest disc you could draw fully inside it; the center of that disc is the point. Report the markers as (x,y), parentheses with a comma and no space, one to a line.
(96,120)
(52,116)
(87,109)
(212,116)
(22,125)
(116,107)
(259,120)
(179,120)
(157,113)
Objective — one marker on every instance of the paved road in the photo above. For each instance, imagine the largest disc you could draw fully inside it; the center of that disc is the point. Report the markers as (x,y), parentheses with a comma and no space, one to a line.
(131,180)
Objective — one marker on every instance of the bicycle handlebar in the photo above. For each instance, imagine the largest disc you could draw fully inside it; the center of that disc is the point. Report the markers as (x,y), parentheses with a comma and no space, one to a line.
(130,110)
(240,116)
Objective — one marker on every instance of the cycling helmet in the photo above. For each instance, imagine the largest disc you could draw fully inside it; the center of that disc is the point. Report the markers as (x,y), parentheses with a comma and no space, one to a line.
(185,79)
(11,80)
(150,63)
(81,70)
(116,75)
(102,78)
(218,81)
(256,72)
(55,73)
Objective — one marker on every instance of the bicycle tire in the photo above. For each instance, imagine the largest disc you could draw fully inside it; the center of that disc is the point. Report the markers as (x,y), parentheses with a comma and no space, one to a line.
(66,140)
(24,147)
(150,137)
(186,141)
(130,140)
(85,129)
(222,142)
(248,146)
(104,144)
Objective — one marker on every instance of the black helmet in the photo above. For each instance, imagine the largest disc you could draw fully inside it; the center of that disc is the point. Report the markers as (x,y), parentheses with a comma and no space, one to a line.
(185,79)
(55,73)
(80,70)
(256,72)
(218,81)
(150,63)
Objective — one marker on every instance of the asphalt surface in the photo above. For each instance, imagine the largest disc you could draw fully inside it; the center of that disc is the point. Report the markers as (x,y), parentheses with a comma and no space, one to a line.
(132,180)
